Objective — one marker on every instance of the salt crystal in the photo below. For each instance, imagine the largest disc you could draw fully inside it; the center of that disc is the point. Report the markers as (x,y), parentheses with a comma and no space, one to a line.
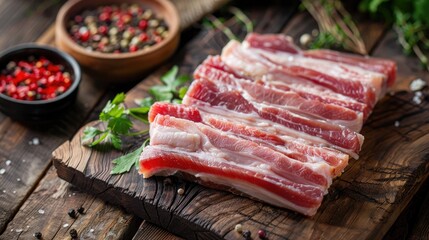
(91,230)
(23,160)
(4,191)
(419,94)
(41,211)
(11,230)
(36,141)
(19,230)
(28,226)
(417,84)
(18,179)
(65,225)
(396,123)
(73,194)
(14,192)
(8,162)
(69,195)
(2,171)
(417,100)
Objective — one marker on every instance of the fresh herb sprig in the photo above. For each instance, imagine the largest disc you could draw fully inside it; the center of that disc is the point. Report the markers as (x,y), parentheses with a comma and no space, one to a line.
(213,22)
(118,118)
(118,123)
(410,21)
(336,27)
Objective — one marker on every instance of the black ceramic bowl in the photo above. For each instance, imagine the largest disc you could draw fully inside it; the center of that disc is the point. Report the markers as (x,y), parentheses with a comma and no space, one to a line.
(39,110)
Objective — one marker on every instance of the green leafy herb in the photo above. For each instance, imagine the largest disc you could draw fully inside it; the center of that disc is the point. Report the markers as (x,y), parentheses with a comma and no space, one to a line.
(410,21)
(170,90)
(126,162)
(118,118)
(336,27)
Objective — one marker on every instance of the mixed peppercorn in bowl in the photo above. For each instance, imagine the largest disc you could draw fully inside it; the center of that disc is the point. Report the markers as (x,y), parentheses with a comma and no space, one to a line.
(118,40)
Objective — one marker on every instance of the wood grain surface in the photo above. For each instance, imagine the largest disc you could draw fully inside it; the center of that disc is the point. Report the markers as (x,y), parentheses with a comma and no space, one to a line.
(362,204)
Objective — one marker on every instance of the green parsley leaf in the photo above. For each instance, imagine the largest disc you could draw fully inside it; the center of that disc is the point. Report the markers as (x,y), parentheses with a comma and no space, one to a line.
(124,163)
(89,133)
(169,77)
(119,98)
(180,81)
(161,95)
(116,141)
(100,139)
(111,110)
(145,102)
(121,125)
(182,92)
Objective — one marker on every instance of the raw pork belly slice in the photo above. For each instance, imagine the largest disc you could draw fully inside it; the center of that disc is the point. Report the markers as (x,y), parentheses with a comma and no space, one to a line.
(164,161)
(283,98)
(277,42)
(221,152)
(268,120)
(362,85)
(337,136)
(284,144)
(283,81)
(382,66)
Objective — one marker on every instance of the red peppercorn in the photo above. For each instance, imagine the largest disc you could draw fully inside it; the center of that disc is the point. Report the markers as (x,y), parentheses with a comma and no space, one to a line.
(78,18)
(143,37)
(134,48)
(84,36)
(103,29)
(143,24)
(262,234)
(38,79)
(104,16)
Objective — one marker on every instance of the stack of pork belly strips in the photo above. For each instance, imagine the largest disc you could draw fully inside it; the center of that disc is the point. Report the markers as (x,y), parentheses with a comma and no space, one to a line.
(268,120)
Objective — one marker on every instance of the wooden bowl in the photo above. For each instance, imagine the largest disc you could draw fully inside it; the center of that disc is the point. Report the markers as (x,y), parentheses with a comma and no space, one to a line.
(118,67)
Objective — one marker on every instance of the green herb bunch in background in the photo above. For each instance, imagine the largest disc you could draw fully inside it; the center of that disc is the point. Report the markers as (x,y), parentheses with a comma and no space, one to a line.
(410,19)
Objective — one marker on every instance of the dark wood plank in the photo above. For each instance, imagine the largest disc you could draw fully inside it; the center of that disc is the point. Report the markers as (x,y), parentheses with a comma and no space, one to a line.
(25,20)
(149,231)
(420,229)
(46,210)
(413,221)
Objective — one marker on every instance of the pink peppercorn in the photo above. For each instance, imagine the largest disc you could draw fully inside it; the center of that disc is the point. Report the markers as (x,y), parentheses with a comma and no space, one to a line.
(36,79)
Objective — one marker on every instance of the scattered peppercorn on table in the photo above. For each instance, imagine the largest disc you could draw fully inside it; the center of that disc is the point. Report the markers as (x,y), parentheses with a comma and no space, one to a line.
(36,204)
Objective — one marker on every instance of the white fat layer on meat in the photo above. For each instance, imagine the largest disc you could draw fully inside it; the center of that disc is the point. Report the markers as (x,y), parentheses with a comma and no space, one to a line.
(250,63)
(243,153)
(274,128)
(161,135)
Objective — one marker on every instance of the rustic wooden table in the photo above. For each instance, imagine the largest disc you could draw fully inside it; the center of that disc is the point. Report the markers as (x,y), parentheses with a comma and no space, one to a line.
(32,197)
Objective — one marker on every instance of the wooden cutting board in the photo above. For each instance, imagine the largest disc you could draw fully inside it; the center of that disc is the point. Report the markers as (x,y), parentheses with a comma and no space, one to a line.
(361,204)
